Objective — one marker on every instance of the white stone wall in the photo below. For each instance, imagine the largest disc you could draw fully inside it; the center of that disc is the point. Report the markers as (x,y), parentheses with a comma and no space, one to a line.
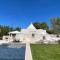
(29,37)
(26,35)
(6,38)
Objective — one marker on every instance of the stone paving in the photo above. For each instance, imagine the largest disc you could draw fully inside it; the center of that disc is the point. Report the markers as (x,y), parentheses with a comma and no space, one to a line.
(28,54)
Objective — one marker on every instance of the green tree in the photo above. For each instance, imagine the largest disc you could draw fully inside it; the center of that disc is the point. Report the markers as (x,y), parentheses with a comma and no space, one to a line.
(55,22)
(42,25)
(37,25)
(18,29)
(4,30)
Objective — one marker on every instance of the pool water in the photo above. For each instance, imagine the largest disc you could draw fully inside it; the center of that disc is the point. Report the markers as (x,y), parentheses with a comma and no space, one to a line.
(12,53)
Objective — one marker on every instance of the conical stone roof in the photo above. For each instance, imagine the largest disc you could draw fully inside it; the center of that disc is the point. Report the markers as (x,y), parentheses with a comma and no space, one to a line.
(31,26)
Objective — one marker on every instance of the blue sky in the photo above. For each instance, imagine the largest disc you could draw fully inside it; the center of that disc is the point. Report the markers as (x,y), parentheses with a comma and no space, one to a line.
(23,12)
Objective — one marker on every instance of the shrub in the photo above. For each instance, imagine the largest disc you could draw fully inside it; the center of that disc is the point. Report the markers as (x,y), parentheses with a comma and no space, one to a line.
(50,31)
(58,41)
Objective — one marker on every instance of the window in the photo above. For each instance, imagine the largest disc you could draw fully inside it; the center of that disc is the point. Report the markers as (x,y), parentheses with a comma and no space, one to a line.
(33,35)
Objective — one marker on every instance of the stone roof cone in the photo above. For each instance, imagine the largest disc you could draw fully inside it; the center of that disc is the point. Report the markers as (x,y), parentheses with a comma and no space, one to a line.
(31,26)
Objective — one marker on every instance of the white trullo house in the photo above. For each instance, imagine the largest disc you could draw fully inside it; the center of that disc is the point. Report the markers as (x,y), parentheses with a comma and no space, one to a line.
(30,35)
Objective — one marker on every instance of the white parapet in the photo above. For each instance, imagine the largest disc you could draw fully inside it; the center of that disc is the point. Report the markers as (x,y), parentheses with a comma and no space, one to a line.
(28,54)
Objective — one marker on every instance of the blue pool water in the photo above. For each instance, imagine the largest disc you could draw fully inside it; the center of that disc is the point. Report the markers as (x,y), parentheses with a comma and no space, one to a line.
(12,53)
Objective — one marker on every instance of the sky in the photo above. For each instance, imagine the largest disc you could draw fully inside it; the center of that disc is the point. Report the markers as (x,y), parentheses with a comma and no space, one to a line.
(20,13)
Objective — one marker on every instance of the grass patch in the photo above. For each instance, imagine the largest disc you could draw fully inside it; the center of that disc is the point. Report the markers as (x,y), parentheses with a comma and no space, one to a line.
(45,52)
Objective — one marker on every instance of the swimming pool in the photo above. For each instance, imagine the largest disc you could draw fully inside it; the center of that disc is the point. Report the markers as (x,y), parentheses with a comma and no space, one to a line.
(12,51)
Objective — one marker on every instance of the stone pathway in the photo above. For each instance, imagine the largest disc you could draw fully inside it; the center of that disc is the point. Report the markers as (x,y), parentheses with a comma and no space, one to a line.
(28,54)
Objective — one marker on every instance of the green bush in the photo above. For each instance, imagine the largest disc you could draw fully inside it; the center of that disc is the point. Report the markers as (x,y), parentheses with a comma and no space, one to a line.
(58,41)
